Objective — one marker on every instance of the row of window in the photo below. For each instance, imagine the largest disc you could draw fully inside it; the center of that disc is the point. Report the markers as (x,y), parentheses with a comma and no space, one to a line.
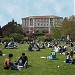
(41,20)
(39,24)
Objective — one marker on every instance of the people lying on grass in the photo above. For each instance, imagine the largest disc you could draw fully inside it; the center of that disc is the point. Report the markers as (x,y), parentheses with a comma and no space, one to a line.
(10,44)
(8,64)
(1,53)
(22,61)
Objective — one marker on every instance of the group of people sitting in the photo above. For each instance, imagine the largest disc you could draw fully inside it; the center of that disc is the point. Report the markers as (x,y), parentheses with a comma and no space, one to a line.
(31,48)
(60,49)
(20,63)
(10,44)
(35,46)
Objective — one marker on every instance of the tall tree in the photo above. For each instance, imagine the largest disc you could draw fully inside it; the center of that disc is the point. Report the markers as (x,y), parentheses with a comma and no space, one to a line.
(68,26)
(11,27)
(56,32)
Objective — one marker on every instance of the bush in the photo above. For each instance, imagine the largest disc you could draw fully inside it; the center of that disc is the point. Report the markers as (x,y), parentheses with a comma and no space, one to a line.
(6,39)
(25,38)
(16,36)
(42,38)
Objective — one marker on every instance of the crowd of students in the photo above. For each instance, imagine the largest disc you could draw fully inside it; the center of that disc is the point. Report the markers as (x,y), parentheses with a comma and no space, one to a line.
(11,44)
(37,46)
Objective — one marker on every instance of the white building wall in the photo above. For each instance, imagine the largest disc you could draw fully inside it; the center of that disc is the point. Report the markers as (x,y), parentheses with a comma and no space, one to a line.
(41,23)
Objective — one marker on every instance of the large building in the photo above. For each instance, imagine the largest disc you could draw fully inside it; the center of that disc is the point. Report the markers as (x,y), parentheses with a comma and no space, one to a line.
(40,23)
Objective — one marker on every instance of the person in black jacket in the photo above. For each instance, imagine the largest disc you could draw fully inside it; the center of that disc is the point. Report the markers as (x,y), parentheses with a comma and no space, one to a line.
(22,61)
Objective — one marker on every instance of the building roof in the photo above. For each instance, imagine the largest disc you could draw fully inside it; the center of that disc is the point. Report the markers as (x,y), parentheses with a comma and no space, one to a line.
(43,17)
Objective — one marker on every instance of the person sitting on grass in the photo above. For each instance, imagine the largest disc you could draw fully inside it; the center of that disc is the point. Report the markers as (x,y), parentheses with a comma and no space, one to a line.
(9,65)
(43,46)
(68,59)
(38,48)
(22,61)
(72,55)
(30,48)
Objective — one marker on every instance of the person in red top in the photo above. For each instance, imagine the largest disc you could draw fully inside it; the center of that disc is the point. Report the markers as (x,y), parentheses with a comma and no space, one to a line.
(10,65)
(7,62)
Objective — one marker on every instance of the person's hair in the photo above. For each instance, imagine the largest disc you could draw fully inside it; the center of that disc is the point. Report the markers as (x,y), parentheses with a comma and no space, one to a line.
(10,55)
(23,53)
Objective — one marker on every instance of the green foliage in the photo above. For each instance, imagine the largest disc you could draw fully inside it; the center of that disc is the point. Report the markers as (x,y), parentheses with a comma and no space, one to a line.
(6,39)
(55,33)
(25,38)
(11,27)
(16,36)
(42,38)
(68,26)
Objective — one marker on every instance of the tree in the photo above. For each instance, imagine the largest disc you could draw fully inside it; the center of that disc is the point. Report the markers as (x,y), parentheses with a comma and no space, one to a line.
(68,26)
(55,33)
(11,27)
(16,36)
(0,31)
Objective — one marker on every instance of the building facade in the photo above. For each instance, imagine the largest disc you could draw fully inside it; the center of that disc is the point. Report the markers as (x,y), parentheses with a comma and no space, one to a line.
(40,23)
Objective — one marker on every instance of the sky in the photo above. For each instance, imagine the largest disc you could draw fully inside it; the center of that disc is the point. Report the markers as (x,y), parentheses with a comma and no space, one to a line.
(17,9)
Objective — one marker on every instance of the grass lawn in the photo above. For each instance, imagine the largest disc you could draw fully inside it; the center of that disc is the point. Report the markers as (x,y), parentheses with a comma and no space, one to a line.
(37,66)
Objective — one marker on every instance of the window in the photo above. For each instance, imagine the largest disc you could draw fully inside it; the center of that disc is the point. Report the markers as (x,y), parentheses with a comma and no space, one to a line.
(35,24)
(51,19)
(44,24)
(47,24)
(38,24)
(41,24)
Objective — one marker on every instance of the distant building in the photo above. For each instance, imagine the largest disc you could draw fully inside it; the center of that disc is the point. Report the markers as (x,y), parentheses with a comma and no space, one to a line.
(40,23)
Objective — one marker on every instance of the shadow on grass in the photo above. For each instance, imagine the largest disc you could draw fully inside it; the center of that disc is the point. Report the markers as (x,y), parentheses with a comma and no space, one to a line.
(29,66)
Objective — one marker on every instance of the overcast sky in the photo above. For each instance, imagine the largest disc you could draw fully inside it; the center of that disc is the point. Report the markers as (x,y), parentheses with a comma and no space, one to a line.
(17,9)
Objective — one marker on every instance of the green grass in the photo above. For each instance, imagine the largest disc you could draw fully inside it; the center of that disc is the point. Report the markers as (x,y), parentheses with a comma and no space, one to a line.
(37,66)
